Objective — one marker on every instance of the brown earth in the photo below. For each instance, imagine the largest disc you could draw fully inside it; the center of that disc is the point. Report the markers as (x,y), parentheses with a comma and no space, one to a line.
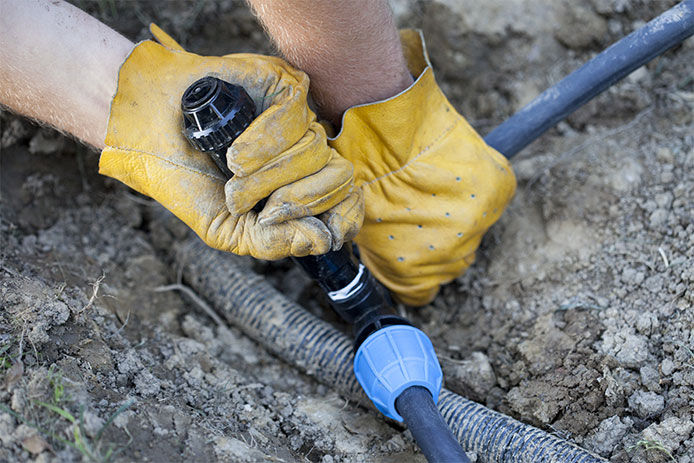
(576,318)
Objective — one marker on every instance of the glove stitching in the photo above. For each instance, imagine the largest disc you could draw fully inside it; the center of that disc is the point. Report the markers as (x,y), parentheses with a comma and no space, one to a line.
(330,194)
(418,155)
(214,177)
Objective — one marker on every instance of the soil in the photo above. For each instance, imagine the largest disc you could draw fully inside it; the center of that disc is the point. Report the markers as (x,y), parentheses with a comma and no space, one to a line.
(576,318)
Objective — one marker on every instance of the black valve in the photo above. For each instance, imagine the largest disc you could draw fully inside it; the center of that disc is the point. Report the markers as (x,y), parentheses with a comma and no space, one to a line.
(215,113)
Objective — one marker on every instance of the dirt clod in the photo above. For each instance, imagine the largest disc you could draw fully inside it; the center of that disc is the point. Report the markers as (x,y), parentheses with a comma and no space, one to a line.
(646,404)
(670,432)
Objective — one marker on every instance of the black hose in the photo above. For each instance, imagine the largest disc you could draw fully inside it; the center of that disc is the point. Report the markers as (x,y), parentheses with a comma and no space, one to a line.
(616,62)
(247,301)
(428,428)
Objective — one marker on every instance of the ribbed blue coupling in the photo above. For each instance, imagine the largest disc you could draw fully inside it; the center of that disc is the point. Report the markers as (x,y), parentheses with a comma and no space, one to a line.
(392,359)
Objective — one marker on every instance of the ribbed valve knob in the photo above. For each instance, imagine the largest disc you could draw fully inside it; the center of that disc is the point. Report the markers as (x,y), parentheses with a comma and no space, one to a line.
(215,112)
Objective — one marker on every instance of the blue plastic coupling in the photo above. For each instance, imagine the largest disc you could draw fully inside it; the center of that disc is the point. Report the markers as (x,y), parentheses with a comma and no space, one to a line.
(392,359)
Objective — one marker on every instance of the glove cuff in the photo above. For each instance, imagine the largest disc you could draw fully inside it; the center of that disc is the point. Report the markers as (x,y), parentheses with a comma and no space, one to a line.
(432,185)
(415,50)
(420,115)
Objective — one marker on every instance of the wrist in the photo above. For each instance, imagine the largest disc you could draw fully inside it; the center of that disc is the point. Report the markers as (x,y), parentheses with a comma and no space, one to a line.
(335,93)
(352,54)
(100,88)
(67,74)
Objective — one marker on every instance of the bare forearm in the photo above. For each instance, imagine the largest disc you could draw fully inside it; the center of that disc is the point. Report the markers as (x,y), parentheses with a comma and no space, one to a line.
(350,48)
(59,65)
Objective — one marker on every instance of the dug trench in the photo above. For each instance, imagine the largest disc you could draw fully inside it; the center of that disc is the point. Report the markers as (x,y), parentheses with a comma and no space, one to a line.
(577,316)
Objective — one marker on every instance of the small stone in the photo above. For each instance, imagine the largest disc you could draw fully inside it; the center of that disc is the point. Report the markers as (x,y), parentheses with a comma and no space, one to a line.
(19,400)
(604,7)
(658,217)
(536,401)
(640,75)
(609,434)
(667,366)
(664,200)
(287,411)
(395,444)
(670,432)
(38,334)
(122,420)
(614,392)
(646,404)
(230,449)
(650,205)
(24,432)
(6,427)
(92,423)
(628,177)
(146,383)
(593,27)
(665,310)
(654,284)
(195,376)
(473,377)
(664,155)
(632,276)
(129,362)
(633,351)
(295,442)
(35,444)
(646,323)
(58,311)
(650,378)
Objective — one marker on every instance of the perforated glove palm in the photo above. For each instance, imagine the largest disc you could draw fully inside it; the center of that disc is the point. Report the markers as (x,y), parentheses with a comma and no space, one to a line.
(432,187)
(282,155)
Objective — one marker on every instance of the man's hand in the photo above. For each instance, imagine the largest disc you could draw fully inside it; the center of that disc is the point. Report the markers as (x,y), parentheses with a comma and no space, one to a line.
(432,187)
(282,155)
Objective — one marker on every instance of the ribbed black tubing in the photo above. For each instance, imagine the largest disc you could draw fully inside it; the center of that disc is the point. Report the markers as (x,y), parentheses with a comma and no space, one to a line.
(430,431)
(247,301)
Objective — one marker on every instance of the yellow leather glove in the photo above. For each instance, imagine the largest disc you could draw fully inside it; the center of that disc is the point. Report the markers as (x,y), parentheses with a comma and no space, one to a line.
(432,187)
(283,155)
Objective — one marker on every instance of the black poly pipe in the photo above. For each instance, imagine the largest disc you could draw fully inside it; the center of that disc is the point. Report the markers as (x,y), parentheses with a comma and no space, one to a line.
(247,301)
(430,431)
(616,62)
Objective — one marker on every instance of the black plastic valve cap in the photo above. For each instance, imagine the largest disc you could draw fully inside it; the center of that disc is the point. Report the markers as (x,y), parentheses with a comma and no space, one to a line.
(215,112)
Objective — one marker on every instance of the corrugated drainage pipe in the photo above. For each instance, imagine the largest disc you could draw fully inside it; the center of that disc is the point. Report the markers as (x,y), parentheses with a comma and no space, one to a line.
(248,302)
